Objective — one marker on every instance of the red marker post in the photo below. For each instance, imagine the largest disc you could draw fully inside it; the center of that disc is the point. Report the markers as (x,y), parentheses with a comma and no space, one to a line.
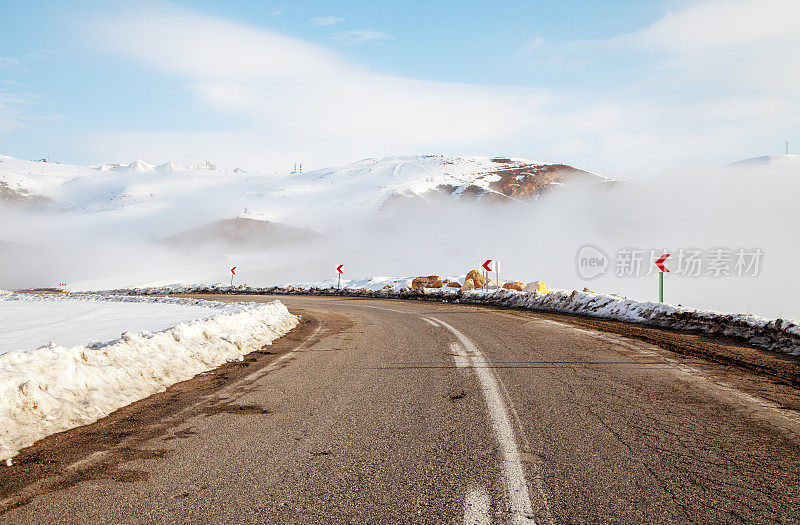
(339,269)
(662,269)
(487,268)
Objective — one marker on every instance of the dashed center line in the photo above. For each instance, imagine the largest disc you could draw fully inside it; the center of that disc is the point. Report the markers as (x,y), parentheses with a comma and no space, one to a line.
(476,507)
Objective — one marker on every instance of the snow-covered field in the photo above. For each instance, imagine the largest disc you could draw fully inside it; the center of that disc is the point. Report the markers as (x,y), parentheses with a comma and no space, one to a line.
(56,387)
(31,321)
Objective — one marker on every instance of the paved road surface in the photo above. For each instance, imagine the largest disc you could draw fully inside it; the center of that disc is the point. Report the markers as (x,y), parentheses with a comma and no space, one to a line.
(400,412)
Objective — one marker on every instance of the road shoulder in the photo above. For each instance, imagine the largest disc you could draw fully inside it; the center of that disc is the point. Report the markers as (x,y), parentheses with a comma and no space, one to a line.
(102,449)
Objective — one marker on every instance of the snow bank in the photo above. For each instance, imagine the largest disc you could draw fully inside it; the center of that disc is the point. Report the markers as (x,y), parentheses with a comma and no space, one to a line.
(28,321)
(781,335)
(53,388)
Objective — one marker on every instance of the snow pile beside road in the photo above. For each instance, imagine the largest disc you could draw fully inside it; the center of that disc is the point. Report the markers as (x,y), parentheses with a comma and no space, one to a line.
(54,388)
(782,335)
(366,283)
(33,320)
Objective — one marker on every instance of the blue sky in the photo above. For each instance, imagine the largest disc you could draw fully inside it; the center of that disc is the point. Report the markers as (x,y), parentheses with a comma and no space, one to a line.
(621,86)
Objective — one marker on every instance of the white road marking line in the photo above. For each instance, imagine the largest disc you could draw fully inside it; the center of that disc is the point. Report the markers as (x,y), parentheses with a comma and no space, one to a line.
(513,471)
(459,355)
(430,322)
(476,507)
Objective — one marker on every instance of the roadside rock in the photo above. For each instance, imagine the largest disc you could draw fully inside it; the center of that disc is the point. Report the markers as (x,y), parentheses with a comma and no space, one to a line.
(477,278)
(516,285)
(587,290)
(469,284)
(494,284)
(431,281)
(537,286)
(453,284)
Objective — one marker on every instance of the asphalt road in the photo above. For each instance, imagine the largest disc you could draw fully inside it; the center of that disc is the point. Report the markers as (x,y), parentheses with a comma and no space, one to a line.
(408,412)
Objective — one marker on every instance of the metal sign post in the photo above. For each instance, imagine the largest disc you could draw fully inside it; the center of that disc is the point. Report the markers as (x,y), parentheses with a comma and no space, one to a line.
(339,283)
(233,272)
(662,269)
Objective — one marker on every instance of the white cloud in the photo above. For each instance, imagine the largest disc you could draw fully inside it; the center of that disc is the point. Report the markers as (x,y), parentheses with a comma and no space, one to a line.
(14,111)
(541,51)
(754,44)
(8,62)
(304,101)
(729,25)
(12,64)
(361,36)
(535,44)
(327,20)
(714,80)
(301,101)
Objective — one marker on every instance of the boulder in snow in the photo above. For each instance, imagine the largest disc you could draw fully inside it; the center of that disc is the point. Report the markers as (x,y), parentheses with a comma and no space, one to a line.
(537,286)
(431,281)
(477,278)
(516,285)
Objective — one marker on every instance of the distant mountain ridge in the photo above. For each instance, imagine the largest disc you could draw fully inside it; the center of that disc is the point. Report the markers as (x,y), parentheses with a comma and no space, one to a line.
(145,201)
(241,233)
(493,179)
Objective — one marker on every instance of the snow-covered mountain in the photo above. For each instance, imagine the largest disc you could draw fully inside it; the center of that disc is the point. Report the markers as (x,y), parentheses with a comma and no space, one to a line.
(376,182)
(126,223)
(787,160)
(138,190)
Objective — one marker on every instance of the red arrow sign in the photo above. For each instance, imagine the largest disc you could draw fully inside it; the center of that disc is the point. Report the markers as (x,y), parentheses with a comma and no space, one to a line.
(486,265)
(233,270)
(660,263)
(339,268)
